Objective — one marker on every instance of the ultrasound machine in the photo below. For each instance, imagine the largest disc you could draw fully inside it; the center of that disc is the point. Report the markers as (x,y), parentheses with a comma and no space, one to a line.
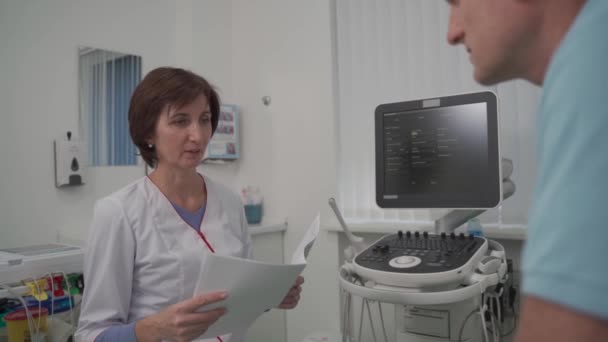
(434,153)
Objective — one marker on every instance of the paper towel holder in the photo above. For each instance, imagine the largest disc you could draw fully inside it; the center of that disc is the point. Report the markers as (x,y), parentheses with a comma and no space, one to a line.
(69,158)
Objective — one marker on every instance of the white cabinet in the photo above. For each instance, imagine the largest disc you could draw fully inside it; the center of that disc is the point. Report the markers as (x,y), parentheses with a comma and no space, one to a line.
(268,247)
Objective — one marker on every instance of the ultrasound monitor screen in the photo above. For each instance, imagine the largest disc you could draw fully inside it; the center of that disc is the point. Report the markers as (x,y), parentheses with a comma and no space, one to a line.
(438,153)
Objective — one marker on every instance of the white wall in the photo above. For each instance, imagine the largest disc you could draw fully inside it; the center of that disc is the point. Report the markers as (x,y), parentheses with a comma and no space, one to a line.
(282,48)
(204,44)
(38,93)
(211,56)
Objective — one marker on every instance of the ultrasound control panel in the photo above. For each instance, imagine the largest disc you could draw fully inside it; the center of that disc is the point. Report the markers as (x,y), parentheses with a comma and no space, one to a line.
(419,252)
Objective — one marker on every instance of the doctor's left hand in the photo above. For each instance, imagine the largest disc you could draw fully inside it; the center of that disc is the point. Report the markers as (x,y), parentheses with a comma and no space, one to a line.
(293,296)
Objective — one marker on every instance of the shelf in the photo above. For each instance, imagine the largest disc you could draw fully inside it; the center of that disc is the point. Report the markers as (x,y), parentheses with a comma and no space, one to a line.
(268,227)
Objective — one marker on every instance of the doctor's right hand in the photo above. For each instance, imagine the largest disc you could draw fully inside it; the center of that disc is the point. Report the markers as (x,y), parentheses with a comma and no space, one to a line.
(181,322)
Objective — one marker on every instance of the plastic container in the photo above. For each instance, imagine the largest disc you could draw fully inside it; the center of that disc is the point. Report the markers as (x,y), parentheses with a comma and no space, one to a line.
(60,304)
(17,327)
(252,200)
(474,227)
(253,212)
(7,306)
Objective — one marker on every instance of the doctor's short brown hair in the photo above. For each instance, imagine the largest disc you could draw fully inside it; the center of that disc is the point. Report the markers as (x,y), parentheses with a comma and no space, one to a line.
(165,86)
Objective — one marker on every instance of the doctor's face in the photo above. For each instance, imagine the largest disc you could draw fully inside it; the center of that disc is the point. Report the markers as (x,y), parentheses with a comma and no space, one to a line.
(182,134)
(496,33)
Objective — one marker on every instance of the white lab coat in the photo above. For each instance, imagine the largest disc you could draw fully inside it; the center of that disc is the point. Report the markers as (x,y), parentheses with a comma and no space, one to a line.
(142,257)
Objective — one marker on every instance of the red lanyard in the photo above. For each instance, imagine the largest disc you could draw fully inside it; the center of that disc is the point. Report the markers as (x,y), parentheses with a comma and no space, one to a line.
(206,242)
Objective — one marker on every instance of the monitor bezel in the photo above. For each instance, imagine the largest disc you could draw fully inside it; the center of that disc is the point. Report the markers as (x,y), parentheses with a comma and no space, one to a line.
(411,202)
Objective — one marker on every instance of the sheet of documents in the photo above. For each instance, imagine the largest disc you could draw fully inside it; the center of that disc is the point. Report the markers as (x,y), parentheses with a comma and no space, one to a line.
(301,253)
(253,287)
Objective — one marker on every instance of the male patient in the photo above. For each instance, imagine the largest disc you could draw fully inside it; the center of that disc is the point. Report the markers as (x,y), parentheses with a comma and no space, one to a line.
(561,45)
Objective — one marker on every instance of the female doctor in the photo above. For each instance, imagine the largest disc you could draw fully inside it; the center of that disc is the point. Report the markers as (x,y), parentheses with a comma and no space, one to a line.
(148,241)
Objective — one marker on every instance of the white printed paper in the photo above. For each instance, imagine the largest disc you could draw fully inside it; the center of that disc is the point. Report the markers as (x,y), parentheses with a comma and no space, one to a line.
(253,287)
(301,252)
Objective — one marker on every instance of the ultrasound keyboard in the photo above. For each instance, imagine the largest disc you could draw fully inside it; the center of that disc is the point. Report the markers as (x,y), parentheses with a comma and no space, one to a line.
(419,252)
